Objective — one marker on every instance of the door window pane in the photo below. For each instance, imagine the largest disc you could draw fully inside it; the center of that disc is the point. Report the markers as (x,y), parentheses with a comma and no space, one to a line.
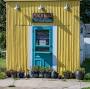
(42,37)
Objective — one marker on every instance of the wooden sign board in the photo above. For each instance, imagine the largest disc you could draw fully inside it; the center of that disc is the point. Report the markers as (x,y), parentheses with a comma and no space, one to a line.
(42,17)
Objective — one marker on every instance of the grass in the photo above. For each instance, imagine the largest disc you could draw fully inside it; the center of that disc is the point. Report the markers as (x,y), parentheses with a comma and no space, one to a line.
(2,63)
(86,88)
(85,80)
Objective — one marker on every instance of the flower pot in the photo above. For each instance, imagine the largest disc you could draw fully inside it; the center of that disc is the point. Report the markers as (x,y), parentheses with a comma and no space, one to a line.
(14,74)
(54,74)
(28,75)
(60,77)
(21,75)
(35,74)
(67,75)
(41,74)
(72,75)
(47,74)
(79,75)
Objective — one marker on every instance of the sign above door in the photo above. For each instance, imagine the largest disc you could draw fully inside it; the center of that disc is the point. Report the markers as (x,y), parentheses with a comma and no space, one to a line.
(42,17)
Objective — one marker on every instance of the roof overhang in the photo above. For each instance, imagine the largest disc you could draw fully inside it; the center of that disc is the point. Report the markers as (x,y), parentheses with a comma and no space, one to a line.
(39,0)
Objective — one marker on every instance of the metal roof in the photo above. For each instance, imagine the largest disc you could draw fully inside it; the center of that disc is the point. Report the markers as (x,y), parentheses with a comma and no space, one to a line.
(41,0)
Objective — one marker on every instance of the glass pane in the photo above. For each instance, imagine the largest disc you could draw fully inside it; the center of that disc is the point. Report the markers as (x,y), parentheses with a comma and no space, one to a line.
(42,37)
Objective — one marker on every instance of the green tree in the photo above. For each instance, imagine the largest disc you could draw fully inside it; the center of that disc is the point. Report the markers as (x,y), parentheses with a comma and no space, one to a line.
(85,11)
(2,25)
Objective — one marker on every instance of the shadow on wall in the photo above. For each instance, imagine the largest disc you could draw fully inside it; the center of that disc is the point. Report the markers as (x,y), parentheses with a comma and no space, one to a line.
(57,64)
(62,25)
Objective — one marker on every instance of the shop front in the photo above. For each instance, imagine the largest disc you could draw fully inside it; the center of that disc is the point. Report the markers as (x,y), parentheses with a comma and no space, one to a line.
(43,33)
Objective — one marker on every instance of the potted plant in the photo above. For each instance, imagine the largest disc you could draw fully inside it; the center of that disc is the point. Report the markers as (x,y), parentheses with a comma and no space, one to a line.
(67,74)
(79,73)
(35,72)
(47,72)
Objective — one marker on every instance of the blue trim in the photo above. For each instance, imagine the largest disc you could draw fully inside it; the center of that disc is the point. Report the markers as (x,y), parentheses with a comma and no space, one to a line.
(42,54)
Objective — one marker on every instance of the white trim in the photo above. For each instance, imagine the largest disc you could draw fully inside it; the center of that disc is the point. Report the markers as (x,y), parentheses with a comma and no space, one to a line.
(54,56)
(54,65)
(29,47)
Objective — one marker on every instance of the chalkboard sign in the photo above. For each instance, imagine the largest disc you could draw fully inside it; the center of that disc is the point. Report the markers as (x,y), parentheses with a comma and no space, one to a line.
(42,17)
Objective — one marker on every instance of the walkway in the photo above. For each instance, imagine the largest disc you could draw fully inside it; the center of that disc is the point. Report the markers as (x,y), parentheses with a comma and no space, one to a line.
(33,83)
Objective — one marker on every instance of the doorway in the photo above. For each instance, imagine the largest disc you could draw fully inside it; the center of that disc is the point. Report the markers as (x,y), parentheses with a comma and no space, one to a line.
(42,47)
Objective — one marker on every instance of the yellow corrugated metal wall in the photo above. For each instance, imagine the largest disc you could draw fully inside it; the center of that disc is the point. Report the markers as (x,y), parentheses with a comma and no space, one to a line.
(68,33)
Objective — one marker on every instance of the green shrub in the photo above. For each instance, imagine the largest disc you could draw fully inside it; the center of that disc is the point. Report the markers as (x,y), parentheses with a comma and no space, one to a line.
(2,69)
(48,69)
(87,76)
(2,75)
(86,65)
(35,68)
(41,69)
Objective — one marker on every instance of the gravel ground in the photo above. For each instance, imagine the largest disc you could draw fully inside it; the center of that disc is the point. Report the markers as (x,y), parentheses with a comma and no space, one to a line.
(42,84)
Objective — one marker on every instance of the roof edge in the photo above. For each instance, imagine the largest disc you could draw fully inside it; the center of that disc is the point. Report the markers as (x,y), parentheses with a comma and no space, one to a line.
(37,0)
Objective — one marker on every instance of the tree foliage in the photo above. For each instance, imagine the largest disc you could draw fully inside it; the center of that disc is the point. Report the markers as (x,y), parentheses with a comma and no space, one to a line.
(85,11)
(2,25)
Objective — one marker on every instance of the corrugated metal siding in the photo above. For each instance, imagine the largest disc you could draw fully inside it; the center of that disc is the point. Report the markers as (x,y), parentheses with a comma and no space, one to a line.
(68,33)
(68,44)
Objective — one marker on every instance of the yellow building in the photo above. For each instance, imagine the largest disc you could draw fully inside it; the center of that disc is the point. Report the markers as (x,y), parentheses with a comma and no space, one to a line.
(43,33)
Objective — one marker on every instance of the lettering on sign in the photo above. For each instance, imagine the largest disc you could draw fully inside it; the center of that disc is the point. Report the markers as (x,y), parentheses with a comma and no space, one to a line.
(42,17)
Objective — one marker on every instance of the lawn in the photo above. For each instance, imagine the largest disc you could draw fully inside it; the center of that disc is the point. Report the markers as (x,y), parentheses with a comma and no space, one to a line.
(2,63)
(86,80)
(86,88)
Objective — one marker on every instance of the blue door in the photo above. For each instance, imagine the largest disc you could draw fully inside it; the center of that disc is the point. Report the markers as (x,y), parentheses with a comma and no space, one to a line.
(42,46)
